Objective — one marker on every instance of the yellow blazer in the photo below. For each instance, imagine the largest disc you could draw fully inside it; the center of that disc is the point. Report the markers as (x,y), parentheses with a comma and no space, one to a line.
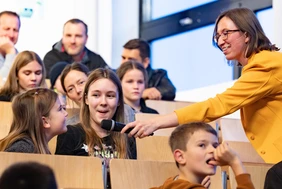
(258,95)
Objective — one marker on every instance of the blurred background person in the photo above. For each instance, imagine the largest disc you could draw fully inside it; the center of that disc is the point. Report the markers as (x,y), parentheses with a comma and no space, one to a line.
(27,72)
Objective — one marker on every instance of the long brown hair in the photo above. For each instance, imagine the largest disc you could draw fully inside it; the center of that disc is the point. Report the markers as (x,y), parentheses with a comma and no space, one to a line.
(92,138)
(247,22)
(11,86)
(28,110)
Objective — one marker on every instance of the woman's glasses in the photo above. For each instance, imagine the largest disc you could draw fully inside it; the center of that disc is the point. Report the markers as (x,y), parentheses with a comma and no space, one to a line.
(224,35)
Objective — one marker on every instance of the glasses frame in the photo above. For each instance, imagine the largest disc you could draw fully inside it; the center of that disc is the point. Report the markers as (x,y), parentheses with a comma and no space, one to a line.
(224,34)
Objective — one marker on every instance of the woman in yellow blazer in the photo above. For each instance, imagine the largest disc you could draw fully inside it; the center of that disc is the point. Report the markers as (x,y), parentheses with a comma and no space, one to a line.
(257,93)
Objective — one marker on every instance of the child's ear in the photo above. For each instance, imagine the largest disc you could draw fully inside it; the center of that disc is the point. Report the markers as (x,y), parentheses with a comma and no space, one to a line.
(45,122)
(179,156)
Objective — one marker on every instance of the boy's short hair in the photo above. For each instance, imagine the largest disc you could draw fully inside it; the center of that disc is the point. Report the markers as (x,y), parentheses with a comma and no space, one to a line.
(180,136)
(28,175)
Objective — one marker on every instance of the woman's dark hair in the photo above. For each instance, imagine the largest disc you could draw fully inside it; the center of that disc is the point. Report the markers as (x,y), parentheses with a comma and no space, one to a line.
(247,22)
(74,66)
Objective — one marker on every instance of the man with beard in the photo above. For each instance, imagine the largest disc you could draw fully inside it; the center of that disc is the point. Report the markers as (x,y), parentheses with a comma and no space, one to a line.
(71,48)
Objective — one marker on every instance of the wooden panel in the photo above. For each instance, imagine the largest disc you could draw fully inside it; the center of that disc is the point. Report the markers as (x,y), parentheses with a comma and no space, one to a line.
(246,152)
(233,133)
(257,172)
(6,117)
(217,180)
(165,107)
(129,174)
(52,144)
(160,132)
(70,171)
(154,148)
(232,130)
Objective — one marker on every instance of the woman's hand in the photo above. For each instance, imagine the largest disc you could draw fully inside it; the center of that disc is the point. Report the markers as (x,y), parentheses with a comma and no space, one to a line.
(142,129)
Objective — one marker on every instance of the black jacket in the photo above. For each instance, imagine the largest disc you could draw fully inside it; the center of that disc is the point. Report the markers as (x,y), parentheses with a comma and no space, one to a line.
(5,98)
(146,109)
(90,59)
(73,143)
(273,179)
(158,78)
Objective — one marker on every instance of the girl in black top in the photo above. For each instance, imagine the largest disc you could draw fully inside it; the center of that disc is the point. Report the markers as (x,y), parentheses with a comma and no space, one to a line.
(102,99)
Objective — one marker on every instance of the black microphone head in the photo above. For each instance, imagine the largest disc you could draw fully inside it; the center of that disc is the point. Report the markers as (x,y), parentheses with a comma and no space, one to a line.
(108,124)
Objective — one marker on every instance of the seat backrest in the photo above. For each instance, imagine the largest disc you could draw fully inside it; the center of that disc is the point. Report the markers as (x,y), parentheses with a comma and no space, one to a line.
(219,180)
(128,174)
(52,144)
(256,170)
(165,107)
(6,118)
(160,132)
(233,133)
(138,174)
(70,171)
(154,148)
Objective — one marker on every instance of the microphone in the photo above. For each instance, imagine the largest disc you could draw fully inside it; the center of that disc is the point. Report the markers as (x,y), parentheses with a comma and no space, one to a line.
(111,125)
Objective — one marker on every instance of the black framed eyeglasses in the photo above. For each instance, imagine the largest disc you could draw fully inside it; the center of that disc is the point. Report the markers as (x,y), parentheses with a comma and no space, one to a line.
(224,35)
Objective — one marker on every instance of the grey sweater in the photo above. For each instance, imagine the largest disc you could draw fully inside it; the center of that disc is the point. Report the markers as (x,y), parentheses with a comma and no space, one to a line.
(24,145)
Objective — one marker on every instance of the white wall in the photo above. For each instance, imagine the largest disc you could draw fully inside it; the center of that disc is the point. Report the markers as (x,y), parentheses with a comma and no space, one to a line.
(110,24)
(43,29)
(125,26)
(277,6)
(104,30)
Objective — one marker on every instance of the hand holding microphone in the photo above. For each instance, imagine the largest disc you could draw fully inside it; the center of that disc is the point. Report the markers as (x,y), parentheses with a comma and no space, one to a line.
(111,125)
